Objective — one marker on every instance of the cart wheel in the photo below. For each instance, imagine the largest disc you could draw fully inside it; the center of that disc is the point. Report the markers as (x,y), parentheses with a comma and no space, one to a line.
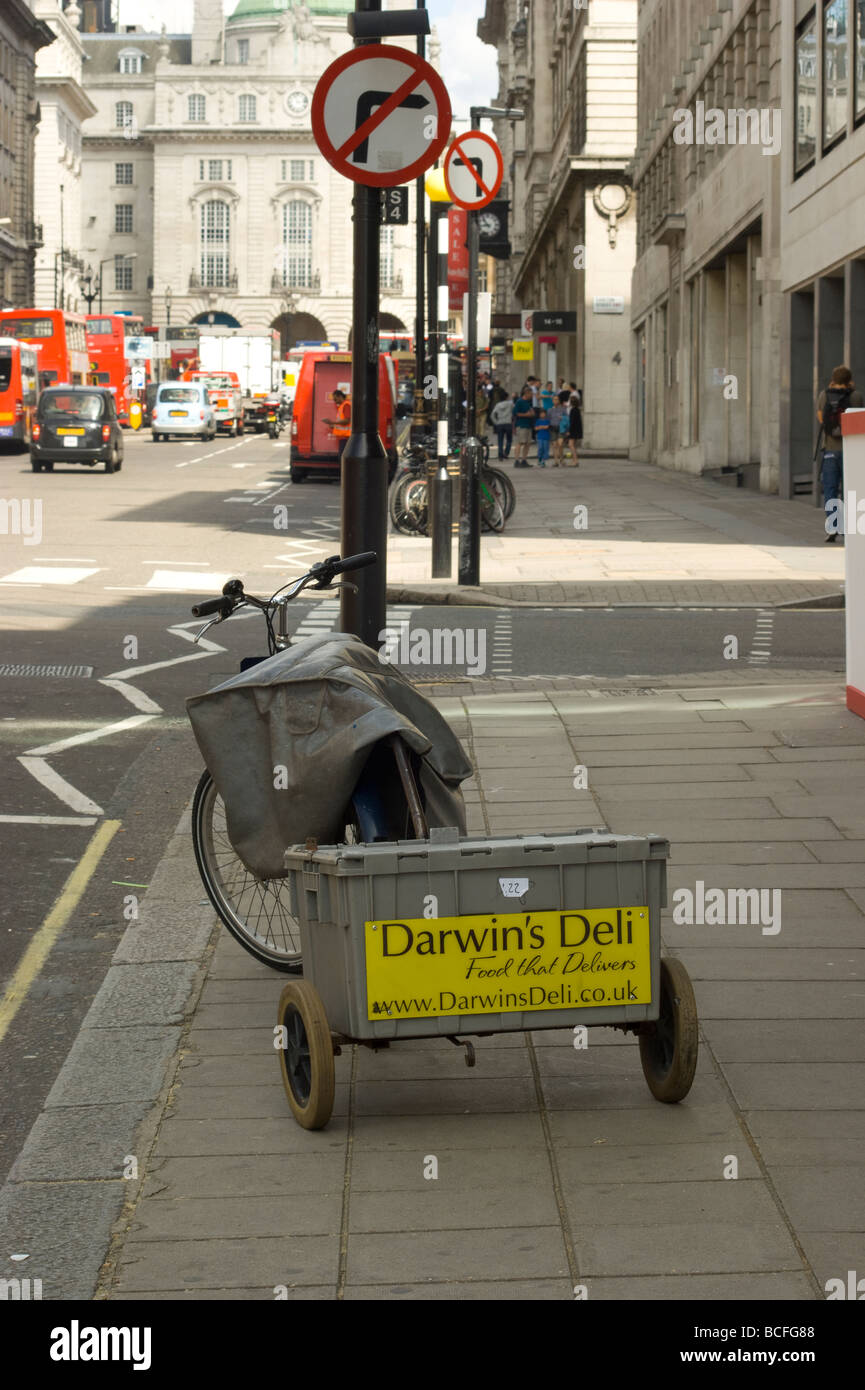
(669,1055)
(306,1059)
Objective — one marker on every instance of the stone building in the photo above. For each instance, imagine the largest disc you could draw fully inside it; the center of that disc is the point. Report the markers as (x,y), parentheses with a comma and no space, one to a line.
(573,70)
(22,35)
(201,169)
(63,106)
(707,298)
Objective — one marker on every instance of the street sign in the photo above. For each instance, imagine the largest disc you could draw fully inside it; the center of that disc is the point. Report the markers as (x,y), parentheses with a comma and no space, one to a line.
(136,378)
(551,320)
(138,347)
(394,207)
(380,115)
(482,318)
(608,304)
(526,322)
(473,170)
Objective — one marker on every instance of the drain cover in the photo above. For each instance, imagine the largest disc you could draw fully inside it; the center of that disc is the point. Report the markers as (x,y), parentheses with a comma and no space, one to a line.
(57,672)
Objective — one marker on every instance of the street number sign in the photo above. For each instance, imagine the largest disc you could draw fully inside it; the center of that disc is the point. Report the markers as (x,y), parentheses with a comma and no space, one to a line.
(473,170)
(380,115)
(394,206)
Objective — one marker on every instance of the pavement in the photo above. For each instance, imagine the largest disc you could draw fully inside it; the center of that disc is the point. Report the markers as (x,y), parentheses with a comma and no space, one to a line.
(165,1163)
(647,536)
(556,1168)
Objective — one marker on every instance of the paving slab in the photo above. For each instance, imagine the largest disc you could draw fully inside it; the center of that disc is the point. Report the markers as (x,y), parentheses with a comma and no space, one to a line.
(233,1264)
(807,1085)
(526,1252)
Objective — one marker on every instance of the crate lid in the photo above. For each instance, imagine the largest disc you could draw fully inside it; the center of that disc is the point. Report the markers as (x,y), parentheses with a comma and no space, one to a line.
(445,852)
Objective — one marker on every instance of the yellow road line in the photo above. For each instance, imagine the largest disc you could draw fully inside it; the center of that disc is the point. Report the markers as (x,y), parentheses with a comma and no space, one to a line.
(40,947)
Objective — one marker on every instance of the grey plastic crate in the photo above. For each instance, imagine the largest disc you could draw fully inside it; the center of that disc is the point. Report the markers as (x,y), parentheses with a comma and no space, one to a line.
(338,890)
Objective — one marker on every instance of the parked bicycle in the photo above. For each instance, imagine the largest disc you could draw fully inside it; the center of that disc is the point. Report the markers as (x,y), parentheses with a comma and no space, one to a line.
(257,911)
(409,500)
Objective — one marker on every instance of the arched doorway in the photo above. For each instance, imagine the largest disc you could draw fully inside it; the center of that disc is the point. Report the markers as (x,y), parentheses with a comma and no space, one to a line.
(387,323)
(298,328)
(219,318)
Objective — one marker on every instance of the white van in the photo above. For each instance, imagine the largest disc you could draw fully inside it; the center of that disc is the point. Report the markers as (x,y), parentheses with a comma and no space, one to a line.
(182,407)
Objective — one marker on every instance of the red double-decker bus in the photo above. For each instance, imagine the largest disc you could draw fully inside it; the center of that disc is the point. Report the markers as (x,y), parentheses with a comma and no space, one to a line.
(108,364)
(59,338)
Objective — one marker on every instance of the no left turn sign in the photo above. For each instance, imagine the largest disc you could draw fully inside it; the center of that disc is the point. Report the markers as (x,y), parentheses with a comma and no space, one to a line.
(380,115)
(473,170)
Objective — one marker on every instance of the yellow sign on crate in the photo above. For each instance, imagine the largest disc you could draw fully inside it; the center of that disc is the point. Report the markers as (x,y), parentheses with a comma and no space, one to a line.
(523,351)
(424,967)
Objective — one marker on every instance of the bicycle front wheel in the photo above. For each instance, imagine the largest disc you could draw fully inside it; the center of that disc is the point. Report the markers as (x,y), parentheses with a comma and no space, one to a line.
(256,911)
(502,488)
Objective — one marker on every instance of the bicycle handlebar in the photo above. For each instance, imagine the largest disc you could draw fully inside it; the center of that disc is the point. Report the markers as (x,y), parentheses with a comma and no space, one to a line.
(223,606)
(233,594)
(355,562)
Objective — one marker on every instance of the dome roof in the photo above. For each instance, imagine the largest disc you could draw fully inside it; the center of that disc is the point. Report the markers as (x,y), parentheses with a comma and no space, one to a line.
(270,9)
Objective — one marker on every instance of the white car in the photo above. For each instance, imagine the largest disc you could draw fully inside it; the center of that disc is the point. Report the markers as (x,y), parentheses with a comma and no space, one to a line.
(182,407)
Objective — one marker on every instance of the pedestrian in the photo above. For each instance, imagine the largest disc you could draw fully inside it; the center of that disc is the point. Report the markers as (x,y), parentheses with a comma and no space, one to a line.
(547,397)
(501,419)
(341,426)
(542,435)
(523,419)
(482,405)
(575,429)
(838,396)
(555,417)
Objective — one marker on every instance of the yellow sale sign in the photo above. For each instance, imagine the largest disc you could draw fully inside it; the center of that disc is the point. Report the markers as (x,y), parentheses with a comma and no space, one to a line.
(436,967)
(524,351)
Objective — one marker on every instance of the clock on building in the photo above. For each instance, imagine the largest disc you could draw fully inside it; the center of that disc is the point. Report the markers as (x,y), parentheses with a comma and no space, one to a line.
(489,224)
(297,103)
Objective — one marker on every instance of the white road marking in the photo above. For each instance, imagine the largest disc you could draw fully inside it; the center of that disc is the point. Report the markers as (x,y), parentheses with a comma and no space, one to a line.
(158,665)
(48,820)
(135,696)
(179,582)
(36,574)
(89,736)
(59,787)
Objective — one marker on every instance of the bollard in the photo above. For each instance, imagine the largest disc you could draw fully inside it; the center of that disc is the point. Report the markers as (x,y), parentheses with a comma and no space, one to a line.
(135,415)
(441,520)
(470,512)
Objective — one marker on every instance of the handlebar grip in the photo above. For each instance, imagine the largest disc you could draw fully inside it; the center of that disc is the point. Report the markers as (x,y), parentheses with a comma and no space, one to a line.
(356,562)
(212,605)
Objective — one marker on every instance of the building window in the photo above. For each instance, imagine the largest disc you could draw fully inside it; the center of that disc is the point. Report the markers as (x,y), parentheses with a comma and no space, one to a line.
(836,87)
(298,171)
(123,173)
(130,62)
(123,217)
(123,115)
(246,108)
(196,107)
(483,276)
(215,170)
(243,51)
(215,242)
(297,244)
(385,256)
(806,93)
(122,274)
(859,60)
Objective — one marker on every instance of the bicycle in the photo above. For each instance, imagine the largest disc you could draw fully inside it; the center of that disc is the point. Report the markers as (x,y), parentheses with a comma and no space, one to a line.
(257,912)
(409,503)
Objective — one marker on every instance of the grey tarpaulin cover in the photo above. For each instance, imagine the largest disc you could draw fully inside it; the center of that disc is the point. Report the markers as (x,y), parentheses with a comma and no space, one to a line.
(316,709)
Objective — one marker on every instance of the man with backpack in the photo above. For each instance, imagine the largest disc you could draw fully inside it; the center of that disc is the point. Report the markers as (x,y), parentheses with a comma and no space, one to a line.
(839,395)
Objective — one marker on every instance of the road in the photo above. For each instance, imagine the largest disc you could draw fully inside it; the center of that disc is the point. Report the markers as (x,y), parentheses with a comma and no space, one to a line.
(99,660)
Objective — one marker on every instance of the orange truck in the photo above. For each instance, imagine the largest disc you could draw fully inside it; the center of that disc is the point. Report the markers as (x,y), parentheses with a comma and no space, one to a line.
(223,388)
(315,449)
